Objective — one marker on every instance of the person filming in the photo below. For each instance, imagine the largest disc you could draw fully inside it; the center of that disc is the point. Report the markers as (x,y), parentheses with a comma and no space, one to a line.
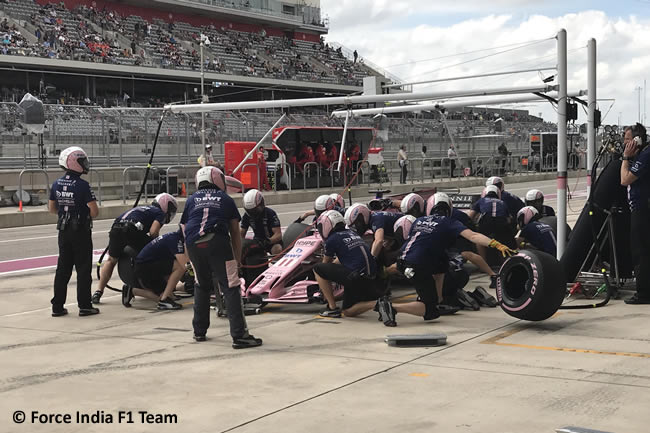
(635,174)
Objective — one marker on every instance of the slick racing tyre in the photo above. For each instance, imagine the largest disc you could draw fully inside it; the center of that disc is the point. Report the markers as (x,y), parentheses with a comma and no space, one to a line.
(293,232)
(126,267)
(253,254)
(531,285)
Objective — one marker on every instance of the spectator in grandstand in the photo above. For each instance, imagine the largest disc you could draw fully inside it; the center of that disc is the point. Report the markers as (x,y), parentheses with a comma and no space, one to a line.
(356,56)
(402,160)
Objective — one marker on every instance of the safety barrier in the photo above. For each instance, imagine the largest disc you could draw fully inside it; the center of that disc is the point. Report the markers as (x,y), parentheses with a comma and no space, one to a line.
(124,173)
(305,171)
(257,167)
(178,168)
(20,183)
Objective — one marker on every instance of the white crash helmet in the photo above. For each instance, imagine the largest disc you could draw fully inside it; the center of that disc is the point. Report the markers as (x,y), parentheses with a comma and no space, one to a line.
(412,204)
(338,199)
(74,159)
(253,199)
(535,198)
(357,217)
(322,203)
(211,175)
(402,228)
(328,222)
(492,189)
(167,203)
(495,180)
(439,204)
(525,215)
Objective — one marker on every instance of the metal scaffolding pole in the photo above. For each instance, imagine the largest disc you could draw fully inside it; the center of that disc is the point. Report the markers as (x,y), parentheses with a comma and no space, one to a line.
(561,142)
(591,106)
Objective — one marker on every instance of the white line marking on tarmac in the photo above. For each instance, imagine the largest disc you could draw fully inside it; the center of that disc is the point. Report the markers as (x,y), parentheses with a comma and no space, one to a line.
(20,271)
(29,239)
(48,308)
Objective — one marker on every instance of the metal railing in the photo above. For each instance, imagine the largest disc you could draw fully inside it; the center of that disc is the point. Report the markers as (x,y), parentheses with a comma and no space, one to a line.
(259,180)
(365,175)
(124,180)
(275,175)
(335,166)
(305,172)
(100,175)
(178,168)
(32,170)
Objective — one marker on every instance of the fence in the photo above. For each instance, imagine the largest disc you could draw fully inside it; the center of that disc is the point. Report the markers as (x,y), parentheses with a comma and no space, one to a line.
(123,137)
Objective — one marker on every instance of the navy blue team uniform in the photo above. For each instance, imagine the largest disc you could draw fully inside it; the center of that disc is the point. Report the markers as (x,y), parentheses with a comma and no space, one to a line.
(638,198)
(356,271)
(426,253)
(493,220)
(513,203)
(540,236)
(207,217)
(547,211)
(72,195)
(461,243)
(384,220)
(262,225)
(156,261)
(132,228)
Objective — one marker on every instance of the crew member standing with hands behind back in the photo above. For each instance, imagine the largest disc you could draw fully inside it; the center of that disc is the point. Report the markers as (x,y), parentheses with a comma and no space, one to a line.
(74,202)
(635,174)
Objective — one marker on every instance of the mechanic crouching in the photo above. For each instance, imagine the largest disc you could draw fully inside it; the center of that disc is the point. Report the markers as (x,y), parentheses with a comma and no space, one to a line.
(347,261)
(263,221)
(135,228)
(424,259)
(74,202)
(158,268)
(210,222)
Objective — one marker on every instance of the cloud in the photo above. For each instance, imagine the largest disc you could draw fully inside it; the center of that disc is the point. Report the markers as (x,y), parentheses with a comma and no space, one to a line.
(623,47)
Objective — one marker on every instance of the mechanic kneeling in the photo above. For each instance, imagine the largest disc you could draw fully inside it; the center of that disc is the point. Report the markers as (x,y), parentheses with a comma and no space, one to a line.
(354,268)
(135,228)
(534,233)
(158,268)
(263,220)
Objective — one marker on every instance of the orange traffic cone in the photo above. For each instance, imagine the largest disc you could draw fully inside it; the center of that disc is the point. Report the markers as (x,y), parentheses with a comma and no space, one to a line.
(20,206)
(183,190)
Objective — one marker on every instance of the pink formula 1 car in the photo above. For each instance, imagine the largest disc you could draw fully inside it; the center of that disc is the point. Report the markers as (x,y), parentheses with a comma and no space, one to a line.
(290,278)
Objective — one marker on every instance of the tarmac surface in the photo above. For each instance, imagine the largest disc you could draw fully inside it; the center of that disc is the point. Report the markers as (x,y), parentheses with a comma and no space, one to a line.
(496,374)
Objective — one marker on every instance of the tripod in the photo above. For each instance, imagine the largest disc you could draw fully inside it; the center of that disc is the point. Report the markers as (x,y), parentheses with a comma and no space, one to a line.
(606,233)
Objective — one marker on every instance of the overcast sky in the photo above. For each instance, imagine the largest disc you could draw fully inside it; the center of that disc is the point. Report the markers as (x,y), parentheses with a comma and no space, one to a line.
(419,40)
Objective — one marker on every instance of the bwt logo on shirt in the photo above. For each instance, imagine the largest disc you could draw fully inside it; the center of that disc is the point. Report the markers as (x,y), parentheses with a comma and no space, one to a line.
(427,223)
(65,194)
(206,198)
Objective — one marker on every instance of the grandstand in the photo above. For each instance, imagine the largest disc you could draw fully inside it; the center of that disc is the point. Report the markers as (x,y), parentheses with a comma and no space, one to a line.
(280,45)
